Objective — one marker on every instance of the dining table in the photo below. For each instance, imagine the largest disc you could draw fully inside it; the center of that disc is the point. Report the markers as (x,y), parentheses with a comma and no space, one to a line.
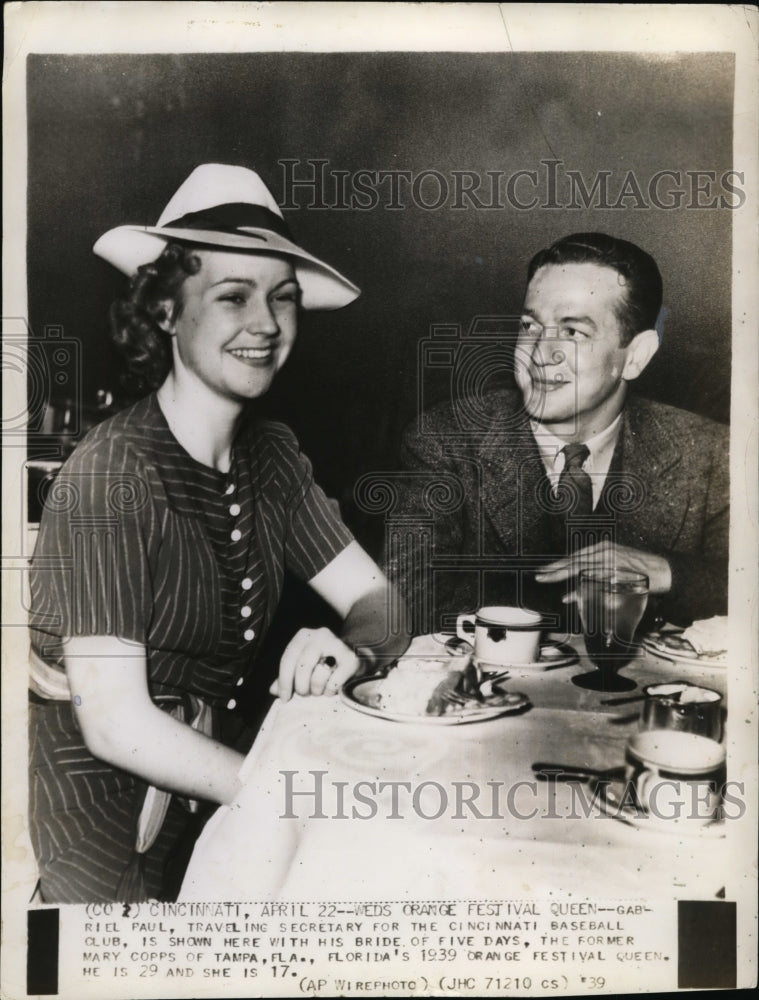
(340,803)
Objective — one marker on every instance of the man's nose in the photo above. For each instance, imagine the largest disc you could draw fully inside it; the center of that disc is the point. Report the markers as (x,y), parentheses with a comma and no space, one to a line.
(547,350)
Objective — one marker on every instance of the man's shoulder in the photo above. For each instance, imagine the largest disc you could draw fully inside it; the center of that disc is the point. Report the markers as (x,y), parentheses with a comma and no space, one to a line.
(467,414)
(682,427)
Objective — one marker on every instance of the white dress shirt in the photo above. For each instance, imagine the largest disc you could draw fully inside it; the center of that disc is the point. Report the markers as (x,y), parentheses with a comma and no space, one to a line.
(601,448)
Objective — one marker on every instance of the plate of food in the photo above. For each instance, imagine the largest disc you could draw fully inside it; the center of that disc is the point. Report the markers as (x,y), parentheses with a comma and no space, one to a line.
(703,644)
(432,691)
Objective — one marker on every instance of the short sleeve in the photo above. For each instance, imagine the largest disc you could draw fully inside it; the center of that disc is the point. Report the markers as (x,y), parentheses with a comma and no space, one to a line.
(315,532)
(91,567)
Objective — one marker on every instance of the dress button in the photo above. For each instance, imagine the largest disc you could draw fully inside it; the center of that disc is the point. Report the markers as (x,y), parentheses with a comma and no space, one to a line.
(245,612)
(247,583)
(236,535)
(249,634)
(231,703)
(238,682)
(234,510)
(230,489)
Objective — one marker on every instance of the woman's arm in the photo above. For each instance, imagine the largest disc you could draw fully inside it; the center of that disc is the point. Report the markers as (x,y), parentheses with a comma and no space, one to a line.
(358,590)
(121,725)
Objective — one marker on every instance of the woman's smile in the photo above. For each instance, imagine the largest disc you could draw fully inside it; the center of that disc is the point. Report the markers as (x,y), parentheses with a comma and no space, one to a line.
(236,323)
(256,356)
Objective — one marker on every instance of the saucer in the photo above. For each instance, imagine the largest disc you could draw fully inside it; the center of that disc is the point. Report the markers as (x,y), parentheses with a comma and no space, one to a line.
(552,655)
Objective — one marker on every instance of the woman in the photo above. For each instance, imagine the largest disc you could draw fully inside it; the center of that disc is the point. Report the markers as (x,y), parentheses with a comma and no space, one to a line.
(165,540)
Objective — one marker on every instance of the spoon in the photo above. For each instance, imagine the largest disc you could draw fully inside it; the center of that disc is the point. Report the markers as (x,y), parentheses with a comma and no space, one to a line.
(564,772)
(623,701)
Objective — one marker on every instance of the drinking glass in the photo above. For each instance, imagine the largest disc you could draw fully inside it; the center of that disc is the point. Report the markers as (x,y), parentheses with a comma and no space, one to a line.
(611,604)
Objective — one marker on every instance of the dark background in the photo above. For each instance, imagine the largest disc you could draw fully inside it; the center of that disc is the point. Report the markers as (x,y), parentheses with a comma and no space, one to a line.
(112,137)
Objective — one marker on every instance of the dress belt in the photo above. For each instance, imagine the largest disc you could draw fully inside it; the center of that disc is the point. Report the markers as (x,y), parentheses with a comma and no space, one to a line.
(48,684)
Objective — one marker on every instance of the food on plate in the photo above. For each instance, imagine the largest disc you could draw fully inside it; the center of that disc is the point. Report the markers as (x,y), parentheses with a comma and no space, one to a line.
(696,694)
(708,637)
(675,641)
(424,686)
(683,693)
(703,639)
(410,685)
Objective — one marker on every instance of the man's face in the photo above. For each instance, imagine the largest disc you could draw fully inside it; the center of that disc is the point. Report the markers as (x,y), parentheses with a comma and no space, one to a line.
(569,361)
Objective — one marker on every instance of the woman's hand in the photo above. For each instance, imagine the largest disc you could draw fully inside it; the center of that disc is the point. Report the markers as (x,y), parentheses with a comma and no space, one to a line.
(315,662)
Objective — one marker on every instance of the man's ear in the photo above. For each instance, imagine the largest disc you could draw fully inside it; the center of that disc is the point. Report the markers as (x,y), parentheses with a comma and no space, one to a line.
(163,314)
(639,352)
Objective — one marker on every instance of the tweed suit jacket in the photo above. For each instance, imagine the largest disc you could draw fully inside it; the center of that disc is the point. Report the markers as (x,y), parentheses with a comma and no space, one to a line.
(474,530)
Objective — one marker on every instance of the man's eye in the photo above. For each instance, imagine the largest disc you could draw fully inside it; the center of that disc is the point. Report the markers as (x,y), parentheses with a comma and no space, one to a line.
(571,333)
(529,327)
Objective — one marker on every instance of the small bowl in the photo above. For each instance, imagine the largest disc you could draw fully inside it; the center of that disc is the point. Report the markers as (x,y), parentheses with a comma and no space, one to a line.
(683,707)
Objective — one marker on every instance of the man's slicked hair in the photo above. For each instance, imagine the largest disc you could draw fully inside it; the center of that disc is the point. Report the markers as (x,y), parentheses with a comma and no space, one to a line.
(642,285)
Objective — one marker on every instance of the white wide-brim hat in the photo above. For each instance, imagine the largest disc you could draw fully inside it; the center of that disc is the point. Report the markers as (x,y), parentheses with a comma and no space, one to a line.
(229,208)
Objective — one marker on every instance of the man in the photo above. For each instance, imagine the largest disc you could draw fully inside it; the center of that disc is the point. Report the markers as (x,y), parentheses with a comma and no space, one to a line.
(570,470)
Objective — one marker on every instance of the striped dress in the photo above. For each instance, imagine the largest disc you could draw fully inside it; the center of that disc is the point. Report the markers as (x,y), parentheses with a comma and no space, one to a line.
(140,541)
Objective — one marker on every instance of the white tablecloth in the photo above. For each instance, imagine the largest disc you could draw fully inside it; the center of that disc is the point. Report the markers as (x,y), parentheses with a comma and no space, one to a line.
(538,841)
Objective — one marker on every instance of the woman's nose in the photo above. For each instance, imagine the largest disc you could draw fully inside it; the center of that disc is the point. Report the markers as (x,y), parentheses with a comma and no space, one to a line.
(260,318)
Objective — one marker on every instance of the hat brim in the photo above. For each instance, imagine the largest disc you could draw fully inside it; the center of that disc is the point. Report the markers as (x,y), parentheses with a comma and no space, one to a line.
(322,287)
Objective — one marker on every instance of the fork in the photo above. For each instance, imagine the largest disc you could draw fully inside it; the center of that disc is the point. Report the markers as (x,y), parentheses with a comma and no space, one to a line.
(482,691)
(485,687)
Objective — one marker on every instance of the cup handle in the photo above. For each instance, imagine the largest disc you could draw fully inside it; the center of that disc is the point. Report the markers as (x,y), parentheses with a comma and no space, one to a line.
(643,785)
(461,631)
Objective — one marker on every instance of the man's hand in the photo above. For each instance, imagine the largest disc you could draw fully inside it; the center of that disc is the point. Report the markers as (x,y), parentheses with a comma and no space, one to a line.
(315,662)
(605,555)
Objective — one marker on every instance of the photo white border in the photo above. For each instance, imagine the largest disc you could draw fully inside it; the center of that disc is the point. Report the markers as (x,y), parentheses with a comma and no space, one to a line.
(70,28)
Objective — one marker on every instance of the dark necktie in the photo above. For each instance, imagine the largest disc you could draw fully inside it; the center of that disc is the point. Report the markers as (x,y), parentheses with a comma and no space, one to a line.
(575,481)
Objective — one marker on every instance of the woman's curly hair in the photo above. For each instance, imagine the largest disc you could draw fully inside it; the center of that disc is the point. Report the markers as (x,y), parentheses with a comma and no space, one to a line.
(135,319)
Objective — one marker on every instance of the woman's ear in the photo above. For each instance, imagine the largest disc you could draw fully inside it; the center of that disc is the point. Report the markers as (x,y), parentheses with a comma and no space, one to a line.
(639,352)
(163,314)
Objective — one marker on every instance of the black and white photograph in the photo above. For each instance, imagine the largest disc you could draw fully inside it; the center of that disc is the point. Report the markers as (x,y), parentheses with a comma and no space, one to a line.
(380,499)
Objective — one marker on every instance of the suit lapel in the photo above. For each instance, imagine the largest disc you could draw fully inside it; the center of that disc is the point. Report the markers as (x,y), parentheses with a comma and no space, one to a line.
(646,454)
(511,469)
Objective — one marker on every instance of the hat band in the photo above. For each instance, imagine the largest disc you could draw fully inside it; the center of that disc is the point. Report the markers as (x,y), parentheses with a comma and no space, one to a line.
(231,218)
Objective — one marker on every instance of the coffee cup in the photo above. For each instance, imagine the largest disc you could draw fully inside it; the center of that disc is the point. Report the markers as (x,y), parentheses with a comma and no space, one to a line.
(502,636)
(675,777)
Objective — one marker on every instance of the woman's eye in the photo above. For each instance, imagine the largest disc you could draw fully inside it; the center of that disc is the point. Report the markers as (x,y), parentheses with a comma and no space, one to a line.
(234,297)
(288,298)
